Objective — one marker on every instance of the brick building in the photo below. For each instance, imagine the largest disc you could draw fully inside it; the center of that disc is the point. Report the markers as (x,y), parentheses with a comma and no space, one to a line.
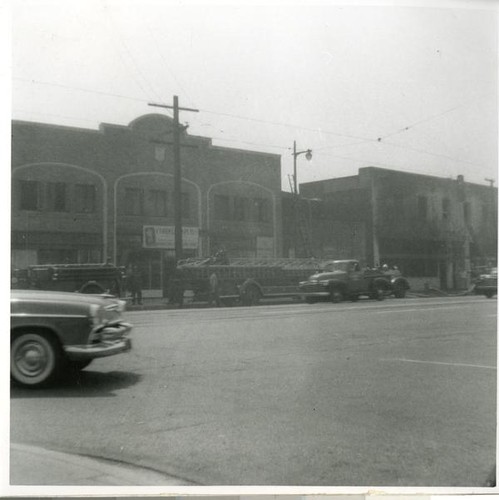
(435,229)
(82,195)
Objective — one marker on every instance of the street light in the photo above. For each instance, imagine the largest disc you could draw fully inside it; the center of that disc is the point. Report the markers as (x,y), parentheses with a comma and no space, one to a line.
(308,156)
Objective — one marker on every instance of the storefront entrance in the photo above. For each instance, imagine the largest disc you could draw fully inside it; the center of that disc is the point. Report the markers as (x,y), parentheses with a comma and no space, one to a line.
(157,267)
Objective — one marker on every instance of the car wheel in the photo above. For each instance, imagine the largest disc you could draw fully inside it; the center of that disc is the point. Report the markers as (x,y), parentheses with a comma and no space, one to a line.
(336,295)
(379,293)
(399,291)
(489,295)
(35,359)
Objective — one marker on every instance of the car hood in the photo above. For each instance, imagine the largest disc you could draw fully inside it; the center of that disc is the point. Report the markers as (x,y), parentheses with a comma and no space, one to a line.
(326,276)
(63,298)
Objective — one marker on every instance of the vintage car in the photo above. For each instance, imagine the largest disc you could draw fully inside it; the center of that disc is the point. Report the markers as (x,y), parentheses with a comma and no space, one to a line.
(486,284)
(54,333)
(344,279)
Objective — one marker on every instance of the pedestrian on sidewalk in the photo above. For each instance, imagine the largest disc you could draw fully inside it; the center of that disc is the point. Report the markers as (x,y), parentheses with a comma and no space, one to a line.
(135,284)
(214,290)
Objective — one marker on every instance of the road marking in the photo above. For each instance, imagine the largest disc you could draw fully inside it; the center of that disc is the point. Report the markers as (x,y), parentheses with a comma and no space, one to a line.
(441,363)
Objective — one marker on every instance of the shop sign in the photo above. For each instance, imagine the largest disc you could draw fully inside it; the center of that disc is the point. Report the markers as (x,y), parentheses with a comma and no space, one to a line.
(164,237)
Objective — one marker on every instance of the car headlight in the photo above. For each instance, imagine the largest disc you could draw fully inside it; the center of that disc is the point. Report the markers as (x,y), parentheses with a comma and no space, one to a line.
(96,314)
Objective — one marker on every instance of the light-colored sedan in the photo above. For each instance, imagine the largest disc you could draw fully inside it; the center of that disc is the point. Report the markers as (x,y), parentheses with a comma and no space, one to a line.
(55,332)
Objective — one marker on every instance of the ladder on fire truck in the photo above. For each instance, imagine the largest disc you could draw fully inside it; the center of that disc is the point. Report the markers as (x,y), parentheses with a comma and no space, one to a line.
(302,222)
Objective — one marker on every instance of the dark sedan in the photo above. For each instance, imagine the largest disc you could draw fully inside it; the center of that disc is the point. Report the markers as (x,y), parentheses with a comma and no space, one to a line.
(55,332)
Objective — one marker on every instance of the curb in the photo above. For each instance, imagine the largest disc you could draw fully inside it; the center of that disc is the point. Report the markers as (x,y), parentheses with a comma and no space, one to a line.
(32,465)
(159,306)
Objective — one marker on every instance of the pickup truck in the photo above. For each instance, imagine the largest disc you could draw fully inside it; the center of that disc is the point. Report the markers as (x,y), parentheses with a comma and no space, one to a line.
(344,279)
(486,284)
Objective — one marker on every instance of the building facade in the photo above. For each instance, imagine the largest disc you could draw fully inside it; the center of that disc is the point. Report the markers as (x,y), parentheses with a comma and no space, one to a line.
(322,229)
(82,195)
(436,230)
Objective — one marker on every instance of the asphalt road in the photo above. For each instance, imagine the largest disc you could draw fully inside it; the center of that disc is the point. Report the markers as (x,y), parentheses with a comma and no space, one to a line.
(393,393)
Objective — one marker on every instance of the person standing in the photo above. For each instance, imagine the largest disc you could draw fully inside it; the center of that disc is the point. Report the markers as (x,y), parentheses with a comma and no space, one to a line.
(214,290)
(135,284)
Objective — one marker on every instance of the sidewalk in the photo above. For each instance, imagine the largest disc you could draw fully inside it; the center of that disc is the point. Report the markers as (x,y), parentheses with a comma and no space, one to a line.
(158,303)
(30,465)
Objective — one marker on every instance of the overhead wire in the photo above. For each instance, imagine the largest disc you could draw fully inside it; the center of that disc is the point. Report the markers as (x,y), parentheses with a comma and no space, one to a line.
(283,124)
(249,143)
(415,124)
(128,52)
(80,89)
(363,140)
(417,150)
(429,118)
(156,44)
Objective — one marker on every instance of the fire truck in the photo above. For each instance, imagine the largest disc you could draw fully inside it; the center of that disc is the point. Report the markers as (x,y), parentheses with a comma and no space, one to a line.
(83,278)
(241,280)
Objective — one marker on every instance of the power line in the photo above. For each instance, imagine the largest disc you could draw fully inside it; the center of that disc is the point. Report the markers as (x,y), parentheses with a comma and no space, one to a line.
(156,44)
(80,89)
(282,124)
(424,120)
(250,143)
(113,27)
(429,118)
(342,145)
(362,141)
(409,148)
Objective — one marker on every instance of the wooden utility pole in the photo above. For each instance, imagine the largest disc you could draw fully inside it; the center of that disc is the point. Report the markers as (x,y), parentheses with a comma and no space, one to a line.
(177,173)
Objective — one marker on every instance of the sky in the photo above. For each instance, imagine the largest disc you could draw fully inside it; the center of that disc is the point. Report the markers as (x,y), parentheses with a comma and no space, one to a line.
(410,86)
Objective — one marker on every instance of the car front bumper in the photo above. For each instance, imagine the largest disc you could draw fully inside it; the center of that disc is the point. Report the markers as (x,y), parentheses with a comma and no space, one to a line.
(112,341)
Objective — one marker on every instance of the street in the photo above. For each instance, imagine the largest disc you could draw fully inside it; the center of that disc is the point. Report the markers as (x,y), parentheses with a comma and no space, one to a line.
(393,393)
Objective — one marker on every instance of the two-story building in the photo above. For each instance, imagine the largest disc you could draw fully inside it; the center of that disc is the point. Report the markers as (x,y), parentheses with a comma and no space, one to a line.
(81,195)
(436,230)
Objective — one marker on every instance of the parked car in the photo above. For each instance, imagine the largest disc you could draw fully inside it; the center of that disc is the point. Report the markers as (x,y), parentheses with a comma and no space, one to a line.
(344,279)
(53,333)
(486,284)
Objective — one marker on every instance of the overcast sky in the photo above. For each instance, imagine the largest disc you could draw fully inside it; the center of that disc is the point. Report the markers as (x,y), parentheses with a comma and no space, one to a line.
(410,88)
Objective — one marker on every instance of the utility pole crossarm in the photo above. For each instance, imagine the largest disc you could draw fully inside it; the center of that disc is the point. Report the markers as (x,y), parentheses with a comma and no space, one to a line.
(166,106)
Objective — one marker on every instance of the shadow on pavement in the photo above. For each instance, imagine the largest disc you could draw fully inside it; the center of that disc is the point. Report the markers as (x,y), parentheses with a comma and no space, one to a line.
(83,384)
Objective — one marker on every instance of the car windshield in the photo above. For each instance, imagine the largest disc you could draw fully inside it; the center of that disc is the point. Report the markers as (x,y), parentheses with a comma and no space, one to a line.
(338,265)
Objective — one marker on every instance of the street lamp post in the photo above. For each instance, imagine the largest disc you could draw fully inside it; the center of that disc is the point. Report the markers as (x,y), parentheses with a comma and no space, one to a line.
(308,156)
